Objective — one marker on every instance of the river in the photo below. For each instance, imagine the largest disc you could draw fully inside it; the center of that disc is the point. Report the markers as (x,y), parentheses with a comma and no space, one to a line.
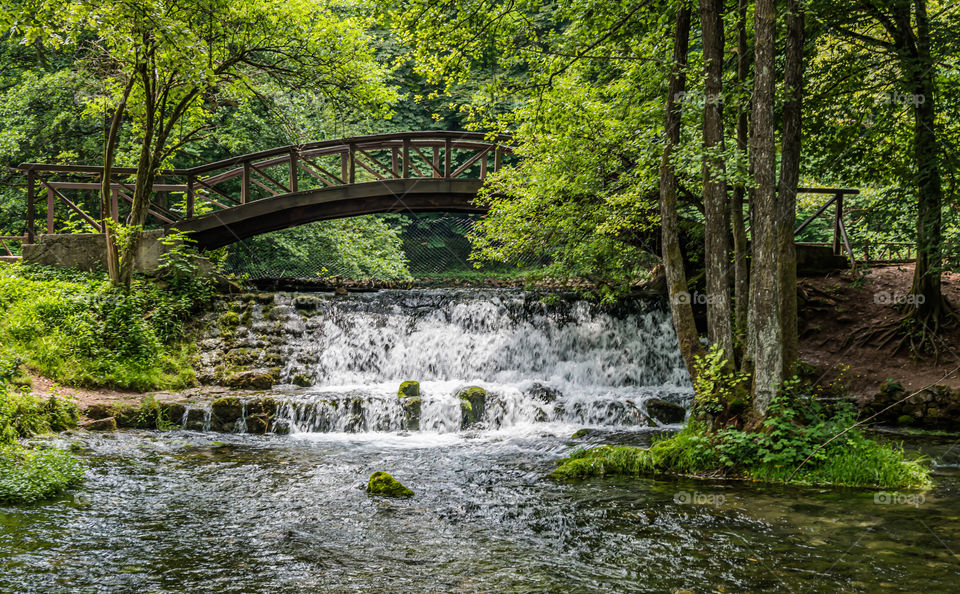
(197,511)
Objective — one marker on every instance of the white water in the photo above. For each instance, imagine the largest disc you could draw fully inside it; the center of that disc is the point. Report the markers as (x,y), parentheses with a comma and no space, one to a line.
(356,350)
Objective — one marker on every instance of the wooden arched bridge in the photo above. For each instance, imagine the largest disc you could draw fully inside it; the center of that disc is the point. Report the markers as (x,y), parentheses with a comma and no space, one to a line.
(224,202)
(227,201)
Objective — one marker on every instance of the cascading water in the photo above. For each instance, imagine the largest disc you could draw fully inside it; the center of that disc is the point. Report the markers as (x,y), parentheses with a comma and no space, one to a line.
(541,363)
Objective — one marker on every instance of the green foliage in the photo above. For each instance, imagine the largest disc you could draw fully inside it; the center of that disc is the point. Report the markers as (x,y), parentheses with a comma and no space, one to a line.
(77,329)
(24,415)
(717,384)
(795,427)
(29,475)
(356,248)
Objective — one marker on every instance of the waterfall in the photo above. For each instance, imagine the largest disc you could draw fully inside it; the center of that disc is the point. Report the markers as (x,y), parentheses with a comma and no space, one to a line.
(540,360)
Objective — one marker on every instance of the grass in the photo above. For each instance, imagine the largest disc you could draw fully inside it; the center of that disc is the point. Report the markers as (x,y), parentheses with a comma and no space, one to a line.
(77,329)
(695,450)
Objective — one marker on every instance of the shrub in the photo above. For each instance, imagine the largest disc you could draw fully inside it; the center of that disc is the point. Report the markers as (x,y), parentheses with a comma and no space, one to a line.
(77,329)
(29,475)
(795,428)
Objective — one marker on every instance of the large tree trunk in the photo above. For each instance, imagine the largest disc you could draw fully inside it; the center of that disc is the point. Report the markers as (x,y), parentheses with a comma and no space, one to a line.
(680,307)
(741,278)
(789,180)
(920,75)
(766,356)
(716,212)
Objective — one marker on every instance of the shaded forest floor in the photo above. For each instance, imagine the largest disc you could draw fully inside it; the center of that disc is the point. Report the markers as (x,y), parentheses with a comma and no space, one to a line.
(836,308)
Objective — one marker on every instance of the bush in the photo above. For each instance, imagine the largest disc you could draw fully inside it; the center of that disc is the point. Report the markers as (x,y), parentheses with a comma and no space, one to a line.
(29,475)
(24,415)
(795,427)
(77,329)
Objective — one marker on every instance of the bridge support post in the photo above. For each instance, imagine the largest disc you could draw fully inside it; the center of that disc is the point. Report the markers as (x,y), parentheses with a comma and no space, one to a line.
(51,209)
(406,158)
(293,171)
(31,208)
(190,195)
(837,223)
(245,183)
(350,174)
(447,149)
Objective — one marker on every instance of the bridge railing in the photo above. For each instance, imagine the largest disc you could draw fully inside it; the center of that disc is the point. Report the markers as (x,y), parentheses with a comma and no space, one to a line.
(184,193)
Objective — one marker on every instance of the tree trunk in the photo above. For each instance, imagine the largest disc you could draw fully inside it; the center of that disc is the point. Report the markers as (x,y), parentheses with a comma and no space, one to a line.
(716,212)
(741,278)
(789,180)
(766,356)
(680,307)
(920,72)
(106,200)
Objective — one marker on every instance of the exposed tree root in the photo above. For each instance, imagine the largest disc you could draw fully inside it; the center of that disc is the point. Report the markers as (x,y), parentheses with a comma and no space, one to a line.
(919,331)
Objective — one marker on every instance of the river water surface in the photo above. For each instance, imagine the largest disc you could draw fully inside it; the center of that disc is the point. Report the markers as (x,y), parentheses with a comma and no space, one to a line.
(192,511)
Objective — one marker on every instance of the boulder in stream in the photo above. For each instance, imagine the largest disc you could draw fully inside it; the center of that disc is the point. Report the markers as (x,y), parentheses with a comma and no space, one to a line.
(381,483)
(665,412)
(542,392)
(105,424)
(472,402)
(409,389)
(411,413)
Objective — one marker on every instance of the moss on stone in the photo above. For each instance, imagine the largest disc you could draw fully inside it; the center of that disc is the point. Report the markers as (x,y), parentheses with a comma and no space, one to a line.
(409,389)
(906,420)
(303,380)
(228,322)
(381,483)
(581,433)
(411,413)
(472,403)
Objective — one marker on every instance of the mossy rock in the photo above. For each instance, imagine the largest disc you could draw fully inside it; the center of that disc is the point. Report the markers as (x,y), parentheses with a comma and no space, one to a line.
(409,389)
(196,419)
(258,424)
(228,322)
(267,406)
(251,380)
(126,414)
(105,424)
(174,411)
(543,393)
(906,420)
(411,413)
(472,403)
(227,410)
(241,356)
(581,433)
(381,483)
(667,413)
(303,380)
